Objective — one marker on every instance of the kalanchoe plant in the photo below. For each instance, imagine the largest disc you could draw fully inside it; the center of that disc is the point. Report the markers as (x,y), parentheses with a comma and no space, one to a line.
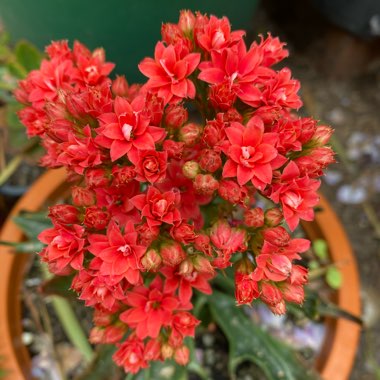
(165,177)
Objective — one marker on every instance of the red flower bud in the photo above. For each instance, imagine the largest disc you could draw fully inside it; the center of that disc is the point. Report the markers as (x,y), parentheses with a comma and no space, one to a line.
(190,169)
(222,96)
(65,214)
(123,175)
(186,21)
(299,275)
(186,268)
(205,184)
(172,253)
(210,160)
(202,243)
(174,149)
(96,218)
(273,217)
(181,355)
(270,294)
(152,350)
(82,196)
(294,293)
(151,261)
(190,133)
(120,86)
(322,135)
(96,177)
(254,217)
(233,193)
(183,233)
(246,289)
(175,116)
(202,265)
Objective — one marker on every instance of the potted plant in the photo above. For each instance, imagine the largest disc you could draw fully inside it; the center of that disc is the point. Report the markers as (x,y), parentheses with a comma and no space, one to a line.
(162,205)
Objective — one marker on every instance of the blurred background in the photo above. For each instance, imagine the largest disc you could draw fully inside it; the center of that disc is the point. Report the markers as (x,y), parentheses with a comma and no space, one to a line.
(334,52)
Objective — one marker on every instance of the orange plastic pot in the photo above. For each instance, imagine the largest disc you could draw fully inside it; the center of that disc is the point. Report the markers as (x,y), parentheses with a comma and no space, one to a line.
(334,363)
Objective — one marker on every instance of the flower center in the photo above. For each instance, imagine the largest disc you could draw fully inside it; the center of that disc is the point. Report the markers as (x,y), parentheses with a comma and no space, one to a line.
(125,249)
(127,131)
(245,152)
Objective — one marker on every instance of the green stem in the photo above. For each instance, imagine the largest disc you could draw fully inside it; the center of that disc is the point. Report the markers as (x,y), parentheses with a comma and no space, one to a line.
(69,322)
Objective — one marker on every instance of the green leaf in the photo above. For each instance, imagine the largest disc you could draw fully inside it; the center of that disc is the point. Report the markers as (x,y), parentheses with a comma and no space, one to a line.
(28,55)
(167,370)
(32,223)
(58,286)
(248,342)
(102,366)
(24,247)
(321,249)
(334,277)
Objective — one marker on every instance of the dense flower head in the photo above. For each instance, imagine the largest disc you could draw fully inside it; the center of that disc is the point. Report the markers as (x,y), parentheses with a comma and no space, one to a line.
(162,200)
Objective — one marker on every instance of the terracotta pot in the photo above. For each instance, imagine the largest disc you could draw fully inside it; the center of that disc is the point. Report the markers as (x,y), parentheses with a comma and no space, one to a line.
(338,352)
(334,363)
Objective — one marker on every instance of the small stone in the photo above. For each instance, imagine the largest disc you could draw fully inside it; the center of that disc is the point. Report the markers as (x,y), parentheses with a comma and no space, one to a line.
(353,195)
(27,338)
(208,340)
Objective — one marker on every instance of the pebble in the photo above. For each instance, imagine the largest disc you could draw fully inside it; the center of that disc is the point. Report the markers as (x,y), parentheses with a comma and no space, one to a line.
(349,194)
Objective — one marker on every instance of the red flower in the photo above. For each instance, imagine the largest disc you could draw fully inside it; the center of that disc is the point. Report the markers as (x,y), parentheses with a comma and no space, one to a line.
(126,128)
(150,165)
(251,154)
(185,283)
(65,247)
(151,309)
(131,355)
(216,34)
(246,288)
(119,252)
(158,207)
(297,195)
(168,72)
(240,68)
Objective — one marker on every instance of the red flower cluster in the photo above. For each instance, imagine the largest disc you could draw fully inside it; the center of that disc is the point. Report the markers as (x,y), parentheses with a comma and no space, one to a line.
(160,203)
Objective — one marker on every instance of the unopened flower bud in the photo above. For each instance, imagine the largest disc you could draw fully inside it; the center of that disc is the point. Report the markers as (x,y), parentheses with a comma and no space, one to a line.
(65,214)
(186,267)
(82,196)
(273,217)
(96,177)
(202,265)
(210,160)
(174,149)
(151,261)
(294,293)
(254,217)
(278,308)
(205,184)
(123,174)
(270,294)
(190,169)
(186,21)
(246,289)
(120,86)
(96,218)
(322,135)
(190,133)
(202,243)
(181,355)
(175,116)
(299,275)
(172,253)
(167,351)
(222,96)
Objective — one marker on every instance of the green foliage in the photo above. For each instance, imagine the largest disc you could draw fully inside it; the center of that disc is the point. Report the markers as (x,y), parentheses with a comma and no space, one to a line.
(334,277)
(32,223)
(248,342)
(321,249)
